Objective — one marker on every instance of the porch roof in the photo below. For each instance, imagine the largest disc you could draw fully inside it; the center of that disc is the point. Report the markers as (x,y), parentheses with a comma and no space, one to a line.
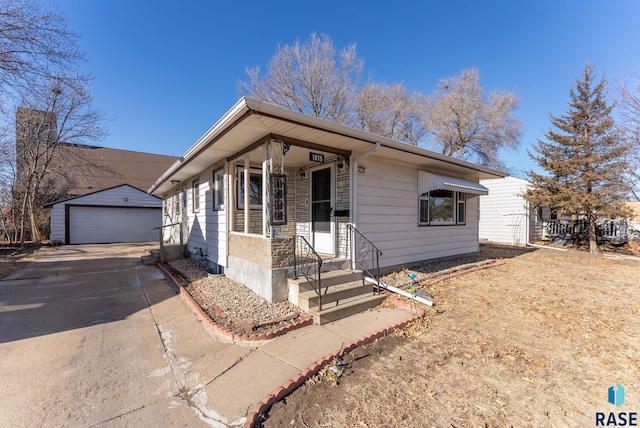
(249,123)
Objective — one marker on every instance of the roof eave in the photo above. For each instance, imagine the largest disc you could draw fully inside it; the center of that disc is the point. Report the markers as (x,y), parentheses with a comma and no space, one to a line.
(246,105)
(229,118)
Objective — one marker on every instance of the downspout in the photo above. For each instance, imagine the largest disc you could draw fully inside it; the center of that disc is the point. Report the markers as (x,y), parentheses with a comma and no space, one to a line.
(353,187)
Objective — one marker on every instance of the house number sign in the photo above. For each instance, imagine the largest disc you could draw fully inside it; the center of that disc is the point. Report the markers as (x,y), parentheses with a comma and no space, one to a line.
(316,157)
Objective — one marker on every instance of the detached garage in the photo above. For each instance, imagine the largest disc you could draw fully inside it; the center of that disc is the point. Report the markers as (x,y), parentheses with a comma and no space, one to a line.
(118,214)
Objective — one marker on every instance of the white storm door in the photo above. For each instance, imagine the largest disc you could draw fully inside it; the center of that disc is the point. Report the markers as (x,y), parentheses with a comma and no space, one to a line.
(322,203)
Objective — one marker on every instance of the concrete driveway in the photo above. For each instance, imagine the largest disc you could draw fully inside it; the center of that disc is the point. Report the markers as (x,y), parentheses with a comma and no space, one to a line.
(86,340)
(91,337)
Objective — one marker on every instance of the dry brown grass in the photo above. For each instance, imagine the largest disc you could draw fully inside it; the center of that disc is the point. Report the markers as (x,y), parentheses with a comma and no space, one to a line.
(534,342)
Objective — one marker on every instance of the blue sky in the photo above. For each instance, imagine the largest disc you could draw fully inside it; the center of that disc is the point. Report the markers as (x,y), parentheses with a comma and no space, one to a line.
(165,71)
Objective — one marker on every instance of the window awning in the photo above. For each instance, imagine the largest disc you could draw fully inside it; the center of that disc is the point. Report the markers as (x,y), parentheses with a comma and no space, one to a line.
(428,181)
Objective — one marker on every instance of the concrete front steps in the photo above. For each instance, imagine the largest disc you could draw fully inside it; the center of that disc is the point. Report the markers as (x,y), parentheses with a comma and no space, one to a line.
(346,295)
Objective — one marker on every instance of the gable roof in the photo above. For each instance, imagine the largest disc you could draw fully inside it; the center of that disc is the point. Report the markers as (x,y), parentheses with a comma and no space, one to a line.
(250,123)
(94,168)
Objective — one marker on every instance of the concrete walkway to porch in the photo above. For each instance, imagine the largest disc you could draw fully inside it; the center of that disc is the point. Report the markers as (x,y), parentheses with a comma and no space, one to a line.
(90,337)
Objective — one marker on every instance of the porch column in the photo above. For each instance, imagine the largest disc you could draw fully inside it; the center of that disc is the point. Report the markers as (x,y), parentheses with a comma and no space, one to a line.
(247,200)
(266,201)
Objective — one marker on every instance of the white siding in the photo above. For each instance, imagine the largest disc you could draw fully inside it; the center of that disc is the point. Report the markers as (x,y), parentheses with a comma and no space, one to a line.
(57,224)
(206,228)
(388,216)
(121,196)
(504,213)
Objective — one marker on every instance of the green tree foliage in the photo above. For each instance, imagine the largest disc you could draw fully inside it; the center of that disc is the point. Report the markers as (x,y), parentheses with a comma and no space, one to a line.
(583,158)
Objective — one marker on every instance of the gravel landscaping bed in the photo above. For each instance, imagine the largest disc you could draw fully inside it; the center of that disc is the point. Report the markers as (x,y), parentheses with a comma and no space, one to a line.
(230,304)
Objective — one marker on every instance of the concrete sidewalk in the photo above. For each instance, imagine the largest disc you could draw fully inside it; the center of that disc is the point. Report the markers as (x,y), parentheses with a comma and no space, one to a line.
(90,337)
(226,379)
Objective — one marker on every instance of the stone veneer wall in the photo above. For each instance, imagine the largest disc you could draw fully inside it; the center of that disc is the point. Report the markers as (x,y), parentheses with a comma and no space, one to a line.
(302,201)
(261,264)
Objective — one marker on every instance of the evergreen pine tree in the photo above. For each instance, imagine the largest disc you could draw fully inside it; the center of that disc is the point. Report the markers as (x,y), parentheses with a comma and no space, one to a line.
(583,158)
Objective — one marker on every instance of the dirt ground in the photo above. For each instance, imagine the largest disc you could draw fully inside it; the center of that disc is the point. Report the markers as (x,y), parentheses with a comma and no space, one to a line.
(536,341)
(15,257)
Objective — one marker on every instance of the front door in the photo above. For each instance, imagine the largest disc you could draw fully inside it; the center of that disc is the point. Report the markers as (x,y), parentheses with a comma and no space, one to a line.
(322,203)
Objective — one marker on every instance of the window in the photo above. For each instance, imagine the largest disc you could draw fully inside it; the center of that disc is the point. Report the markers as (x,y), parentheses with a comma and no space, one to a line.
(218,189)
(442,207)
(255,189)
(462,200)
(177,200)
(195,195)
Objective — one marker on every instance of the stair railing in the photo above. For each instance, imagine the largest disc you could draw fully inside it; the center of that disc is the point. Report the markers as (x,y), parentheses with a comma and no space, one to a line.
(308,263)
(365,255)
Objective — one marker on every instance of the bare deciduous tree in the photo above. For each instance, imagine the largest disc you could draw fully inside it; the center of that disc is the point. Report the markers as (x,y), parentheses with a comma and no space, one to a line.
(628,107)
(466,124)
(58,113)
(311,77)
(38,71)
(34,41)
(388,110)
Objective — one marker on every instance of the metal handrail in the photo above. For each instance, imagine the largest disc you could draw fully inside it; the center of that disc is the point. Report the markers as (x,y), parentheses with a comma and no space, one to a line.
(361,249)
(309,259)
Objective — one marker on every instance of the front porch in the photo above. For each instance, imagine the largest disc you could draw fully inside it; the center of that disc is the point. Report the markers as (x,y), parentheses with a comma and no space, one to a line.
(294,193)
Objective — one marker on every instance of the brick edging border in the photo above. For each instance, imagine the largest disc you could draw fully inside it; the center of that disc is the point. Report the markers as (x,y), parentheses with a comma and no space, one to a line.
(305,319)
(294,383)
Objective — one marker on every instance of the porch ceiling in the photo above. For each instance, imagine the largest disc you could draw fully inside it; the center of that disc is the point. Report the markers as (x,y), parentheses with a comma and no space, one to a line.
(250,121)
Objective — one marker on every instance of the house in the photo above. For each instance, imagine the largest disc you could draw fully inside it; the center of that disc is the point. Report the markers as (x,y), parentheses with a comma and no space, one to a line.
(506,217)
(107,200)
(266,187)
(634,219)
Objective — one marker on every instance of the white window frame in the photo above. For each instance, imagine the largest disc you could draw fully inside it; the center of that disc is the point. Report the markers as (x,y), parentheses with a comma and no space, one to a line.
(459,201)
(218,190)
(195,195)
(253,172)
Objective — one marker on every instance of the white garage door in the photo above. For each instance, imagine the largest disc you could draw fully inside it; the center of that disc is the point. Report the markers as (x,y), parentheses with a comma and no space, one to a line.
(103,225)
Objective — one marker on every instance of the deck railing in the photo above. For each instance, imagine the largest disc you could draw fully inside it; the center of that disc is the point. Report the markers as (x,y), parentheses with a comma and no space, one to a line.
(615,231)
